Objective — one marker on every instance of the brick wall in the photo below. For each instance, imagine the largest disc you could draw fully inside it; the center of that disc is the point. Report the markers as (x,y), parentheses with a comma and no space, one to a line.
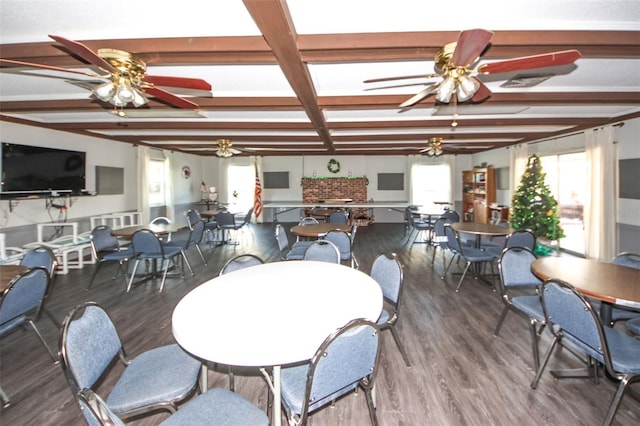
(315,190)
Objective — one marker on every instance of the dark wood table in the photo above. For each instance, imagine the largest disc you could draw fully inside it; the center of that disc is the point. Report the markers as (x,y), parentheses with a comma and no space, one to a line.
(607,282)
(8,273)
(158,229)
(481,229)
(211,214)
(318,229)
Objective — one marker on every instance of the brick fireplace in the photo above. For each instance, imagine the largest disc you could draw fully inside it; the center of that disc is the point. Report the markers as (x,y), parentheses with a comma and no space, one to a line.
(315,190)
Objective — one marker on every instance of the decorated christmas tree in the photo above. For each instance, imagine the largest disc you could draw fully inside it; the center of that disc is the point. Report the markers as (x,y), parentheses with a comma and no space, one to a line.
(533,206)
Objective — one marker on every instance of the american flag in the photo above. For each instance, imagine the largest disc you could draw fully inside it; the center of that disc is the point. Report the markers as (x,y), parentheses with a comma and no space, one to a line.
(257,197)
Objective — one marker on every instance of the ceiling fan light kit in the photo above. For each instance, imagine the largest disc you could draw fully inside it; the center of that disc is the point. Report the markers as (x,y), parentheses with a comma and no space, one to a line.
(434,147)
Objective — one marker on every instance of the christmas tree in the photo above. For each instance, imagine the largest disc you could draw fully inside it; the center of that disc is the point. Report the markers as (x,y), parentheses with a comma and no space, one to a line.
(533,206)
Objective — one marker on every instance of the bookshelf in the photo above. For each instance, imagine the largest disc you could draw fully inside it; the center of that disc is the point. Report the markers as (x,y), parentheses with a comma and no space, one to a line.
(478,192)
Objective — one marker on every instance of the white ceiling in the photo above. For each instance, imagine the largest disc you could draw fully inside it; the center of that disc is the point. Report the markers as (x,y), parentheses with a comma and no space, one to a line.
(313,100)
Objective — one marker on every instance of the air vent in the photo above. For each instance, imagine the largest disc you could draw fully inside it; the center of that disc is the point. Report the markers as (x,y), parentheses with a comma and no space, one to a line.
(526,80)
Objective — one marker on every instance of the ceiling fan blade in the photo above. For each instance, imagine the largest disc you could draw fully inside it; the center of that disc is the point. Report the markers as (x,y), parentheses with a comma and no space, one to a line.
(394,86)
(48,67)
(183,82)
(234,151)
(420,96)
(564,57)
(403,77)
(470,45)
(85,53)
(482,93)
(170,98)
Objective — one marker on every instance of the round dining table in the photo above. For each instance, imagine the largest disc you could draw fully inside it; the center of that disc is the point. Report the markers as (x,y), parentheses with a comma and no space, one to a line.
(605,281)
(481,229)
(318,230)
(272,314)
(8,273)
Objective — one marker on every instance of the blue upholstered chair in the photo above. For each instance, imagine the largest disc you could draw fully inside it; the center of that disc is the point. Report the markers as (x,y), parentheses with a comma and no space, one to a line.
(472,256)
(106,249)
(294,252)
(147,246)
(572,318)
(515,275)
(193,240)
(21,303)
(634,326)
(308,220)
(346,360)
(43,257)
(520,238)
(339,217)
(154,380)
(240,262)
(439,239)
(322,251)
(419,227)
(214,407)
(192,216)
(387,271)
(342,240)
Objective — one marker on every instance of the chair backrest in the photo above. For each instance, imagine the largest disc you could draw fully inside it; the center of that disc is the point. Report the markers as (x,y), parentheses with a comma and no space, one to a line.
(439,236)
(146,242)
(89,342)
(247,217)
(521,238)
(323,251)
(348,357)
(451,215)
(338,217)
(40,256)
(196,233)
(240,262)
(282,239)
(308,221)
(452,239)
(102,240)
(388,273)
(631,260)
(574,316)
(515,268)
(24,296)
(342,241)
(160,220)
(193,216)
(225,219)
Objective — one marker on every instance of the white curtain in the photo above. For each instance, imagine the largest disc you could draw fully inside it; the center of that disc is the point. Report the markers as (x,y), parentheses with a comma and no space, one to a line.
(600,214)
(223,175)
(143,183)
(412,161)
(519,154)
(170,209)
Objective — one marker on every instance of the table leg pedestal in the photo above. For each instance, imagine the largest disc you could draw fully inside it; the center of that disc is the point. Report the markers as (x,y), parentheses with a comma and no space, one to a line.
(275,388)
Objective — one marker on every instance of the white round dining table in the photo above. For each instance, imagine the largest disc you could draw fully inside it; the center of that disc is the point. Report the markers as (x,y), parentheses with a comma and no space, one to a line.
(273,314)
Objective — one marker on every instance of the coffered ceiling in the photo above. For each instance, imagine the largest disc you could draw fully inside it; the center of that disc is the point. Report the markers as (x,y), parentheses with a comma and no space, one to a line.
(287,75)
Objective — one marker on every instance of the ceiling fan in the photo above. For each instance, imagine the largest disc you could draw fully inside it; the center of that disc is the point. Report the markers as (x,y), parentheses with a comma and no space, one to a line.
(126,80)
(454,65)
(436,147)
(225,149)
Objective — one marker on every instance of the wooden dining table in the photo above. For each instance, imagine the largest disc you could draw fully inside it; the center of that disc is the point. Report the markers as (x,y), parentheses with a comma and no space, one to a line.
(8,273)
(158,229)
(318,230)
(610,283)
(481,229)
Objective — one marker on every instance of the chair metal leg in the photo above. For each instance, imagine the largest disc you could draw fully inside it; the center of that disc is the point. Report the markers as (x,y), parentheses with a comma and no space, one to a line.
(93,276)
(372,407)
(186,260)
(232,381)
(534,343)
(53,319)
(201,255)
(542,366)
(4,398)
(463,275)
(133,275)
(44,342)
(501,320)
(396,337)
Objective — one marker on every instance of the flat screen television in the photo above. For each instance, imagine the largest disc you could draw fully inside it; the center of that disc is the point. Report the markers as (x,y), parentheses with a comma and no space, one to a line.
(36,170)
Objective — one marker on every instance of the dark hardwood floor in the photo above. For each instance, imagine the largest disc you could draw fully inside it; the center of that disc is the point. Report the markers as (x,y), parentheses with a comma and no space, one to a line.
(460,375)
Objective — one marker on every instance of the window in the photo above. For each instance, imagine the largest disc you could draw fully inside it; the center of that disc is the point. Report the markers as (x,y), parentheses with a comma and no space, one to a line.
(567,178)
(241,185)
(430,183)
(156,178)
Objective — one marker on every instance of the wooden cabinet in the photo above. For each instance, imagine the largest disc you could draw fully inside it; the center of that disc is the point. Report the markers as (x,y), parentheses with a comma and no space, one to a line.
(478,192)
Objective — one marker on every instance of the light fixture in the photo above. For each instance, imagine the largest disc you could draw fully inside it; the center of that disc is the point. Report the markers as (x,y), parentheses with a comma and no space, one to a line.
(434,147)
(126,82)
(224,148)
(458,82)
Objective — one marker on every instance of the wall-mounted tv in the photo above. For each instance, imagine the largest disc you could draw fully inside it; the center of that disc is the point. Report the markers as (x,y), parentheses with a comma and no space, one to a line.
(34,169)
